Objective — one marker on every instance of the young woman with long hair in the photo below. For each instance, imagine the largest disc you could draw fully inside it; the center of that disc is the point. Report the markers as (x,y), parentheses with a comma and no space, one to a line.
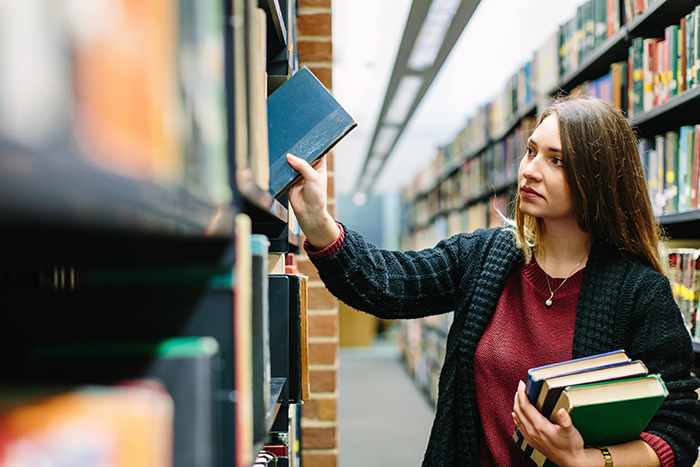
(578,272)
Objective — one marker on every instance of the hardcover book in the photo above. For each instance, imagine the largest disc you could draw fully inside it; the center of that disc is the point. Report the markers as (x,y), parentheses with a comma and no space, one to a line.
(552,388)
(304,119)
(611,412)
(260,333)
(536,376)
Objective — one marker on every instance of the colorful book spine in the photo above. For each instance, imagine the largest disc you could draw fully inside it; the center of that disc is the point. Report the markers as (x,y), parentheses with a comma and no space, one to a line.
(672,172)
(671,34)
(695,181)
(637,82)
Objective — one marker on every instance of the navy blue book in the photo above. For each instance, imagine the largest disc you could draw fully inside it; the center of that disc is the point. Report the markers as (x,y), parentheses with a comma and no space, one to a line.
(537,376)
(304,119)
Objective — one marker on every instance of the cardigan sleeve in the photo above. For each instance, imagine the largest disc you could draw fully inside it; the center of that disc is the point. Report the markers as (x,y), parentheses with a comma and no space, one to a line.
(330,250)
(394,284)
(659,338)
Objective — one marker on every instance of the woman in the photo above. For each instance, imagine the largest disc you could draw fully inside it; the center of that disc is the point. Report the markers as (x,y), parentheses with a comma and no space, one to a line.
(578,274)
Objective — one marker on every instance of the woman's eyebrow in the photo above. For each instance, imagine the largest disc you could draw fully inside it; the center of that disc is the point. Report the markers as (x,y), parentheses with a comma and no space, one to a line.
(551,148)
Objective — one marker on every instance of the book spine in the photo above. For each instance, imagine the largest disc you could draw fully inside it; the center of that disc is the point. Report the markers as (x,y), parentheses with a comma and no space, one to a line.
(695,189)
(681,70)
(673,60)
(672,173)
(690,50)
(682,165)
(637,84)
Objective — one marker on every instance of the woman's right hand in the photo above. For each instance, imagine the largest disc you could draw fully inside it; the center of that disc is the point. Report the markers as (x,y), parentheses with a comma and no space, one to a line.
(309,199)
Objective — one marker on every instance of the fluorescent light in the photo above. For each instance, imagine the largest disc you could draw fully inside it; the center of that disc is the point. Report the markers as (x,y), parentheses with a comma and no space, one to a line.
(432,34)
(385,139)
(359,198)
(403,99)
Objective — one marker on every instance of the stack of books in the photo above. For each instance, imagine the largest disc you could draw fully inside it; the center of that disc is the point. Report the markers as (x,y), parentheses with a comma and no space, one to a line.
(609,397)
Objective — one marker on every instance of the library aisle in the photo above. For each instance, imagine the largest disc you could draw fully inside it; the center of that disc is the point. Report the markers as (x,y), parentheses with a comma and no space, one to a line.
(384,420)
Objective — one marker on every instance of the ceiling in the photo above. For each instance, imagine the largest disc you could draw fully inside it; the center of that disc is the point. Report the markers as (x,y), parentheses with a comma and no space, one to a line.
(501,36)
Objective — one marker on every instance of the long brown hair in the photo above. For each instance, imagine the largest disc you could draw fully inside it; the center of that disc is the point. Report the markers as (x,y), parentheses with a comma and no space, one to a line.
(606,180)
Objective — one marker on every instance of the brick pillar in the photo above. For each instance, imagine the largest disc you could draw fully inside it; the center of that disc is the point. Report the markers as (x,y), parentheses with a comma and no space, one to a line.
(319,426)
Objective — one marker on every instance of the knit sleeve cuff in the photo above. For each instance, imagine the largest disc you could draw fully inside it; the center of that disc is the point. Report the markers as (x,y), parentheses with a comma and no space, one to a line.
(661,448)
(330,250)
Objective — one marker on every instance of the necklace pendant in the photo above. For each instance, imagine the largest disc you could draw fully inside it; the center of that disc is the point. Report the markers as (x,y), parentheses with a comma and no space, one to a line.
(548,302)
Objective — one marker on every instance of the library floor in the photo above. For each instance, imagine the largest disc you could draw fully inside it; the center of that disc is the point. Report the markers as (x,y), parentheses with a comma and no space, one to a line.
(384,420)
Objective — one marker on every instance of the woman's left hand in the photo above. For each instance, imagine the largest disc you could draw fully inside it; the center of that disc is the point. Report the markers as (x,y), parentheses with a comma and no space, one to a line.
(561,442)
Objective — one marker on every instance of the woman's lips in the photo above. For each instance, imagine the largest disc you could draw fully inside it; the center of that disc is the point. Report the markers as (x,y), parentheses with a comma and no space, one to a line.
(529,193)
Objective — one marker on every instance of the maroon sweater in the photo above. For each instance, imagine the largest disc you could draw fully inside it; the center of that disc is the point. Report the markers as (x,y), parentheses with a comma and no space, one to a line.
(523,333)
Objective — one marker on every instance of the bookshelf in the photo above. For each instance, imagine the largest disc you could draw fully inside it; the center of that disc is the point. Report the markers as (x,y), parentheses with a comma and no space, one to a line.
(128,219)
(466,185)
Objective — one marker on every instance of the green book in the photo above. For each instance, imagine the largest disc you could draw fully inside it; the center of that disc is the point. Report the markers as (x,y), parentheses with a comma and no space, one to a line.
(609,413)
(685,166)
(672,71)
(672,172)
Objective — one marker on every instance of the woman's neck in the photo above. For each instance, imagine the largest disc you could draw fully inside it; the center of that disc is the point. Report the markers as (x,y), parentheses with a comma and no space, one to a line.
(563,251)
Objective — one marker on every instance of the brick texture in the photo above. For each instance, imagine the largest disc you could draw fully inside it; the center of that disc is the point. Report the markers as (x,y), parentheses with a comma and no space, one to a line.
(314,4)
(333,208)
(320,409)
(316,24)
(325,76)
(319,436)
(322,353)
(320,297)
(330,165)
(307,268)
(319,458)
(331,183)
(314,437)
(323,380)
(315,51)
(323,325)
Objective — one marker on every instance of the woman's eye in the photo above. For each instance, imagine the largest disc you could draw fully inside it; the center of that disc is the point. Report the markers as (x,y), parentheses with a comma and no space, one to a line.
(529,151)
(558,161)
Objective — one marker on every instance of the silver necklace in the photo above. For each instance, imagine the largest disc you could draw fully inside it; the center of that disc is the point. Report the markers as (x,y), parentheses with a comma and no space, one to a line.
(548,302)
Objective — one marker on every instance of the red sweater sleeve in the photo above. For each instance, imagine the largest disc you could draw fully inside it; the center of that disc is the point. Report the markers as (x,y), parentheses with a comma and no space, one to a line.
(330,250)
(661,448)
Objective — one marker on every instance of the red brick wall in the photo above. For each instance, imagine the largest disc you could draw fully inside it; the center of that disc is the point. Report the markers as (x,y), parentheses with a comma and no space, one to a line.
(319,425)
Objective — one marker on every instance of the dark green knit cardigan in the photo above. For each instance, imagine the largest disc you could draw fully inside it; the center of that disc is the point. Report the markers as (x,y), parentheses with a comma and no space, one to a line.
(623,304)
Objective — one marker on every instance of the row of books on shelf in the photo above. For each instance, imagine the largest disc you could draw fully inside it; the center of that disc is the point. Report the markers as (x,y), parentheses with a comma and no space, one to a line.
(493,167)
(684,272)
(609,397)
(270,335)
(428,230)
(671,164)
(423,351)
(149,421)
(672,169)
(656,69)
(530,85)
(613,87)
(664,67)
(137,423)
(149,91)
(145,87)
(594,21)
(246,369)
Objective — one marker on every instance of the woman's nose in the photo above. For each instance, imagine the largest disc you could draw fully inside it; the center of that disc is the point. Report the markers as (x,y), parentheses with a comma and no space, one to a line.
(529,168)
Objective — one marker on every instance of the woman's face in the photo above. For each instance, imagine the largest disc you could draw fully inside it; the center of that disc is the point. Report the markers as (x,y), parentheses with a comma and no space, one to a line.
(544,191)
